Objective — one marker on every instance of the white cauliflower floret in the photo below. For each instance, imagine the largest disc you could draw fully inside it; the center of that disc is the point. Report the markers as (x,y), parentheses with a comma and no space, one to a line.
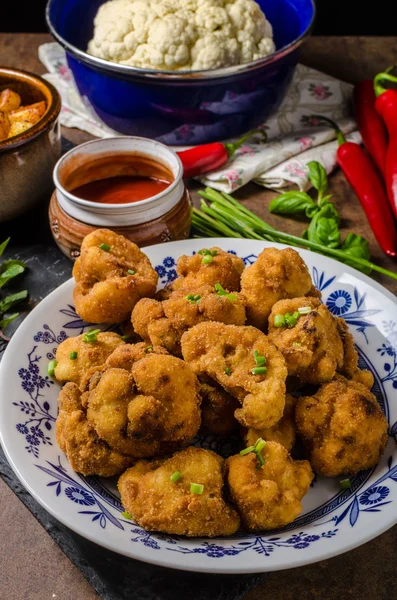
(174,35)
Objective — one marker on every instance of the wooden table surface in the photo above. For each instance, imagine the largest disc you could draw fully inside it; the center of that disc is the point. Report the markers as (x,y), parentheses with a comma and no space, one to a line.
(367,570)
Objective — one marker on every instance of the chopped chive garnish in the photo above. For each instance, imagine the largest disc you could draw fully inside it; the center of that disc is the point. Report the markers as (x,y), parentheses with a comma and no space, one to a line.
(73,355)
(279,321)
(51,368)
(131,272)
(304,310)
(208,255)
(247,450)
(290,320)
(193,298)
(259,445)
(104,247)
(259,371)
(126,338)
(345,484)
(259,360)
(176,476)
(196,488)
(260,459)
(228,371)
(91,336)
(220,291)
(149,349)
(296,315)
(126,515)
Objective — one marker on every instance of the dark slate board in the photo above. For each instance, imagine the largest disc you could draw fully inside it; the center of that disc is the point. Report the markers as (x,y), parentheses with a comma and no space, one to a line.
(113,576)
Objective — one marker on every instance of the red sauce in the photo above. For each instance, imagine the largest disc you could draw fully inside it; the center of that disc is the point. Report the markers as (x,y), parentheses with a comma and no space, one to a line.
(121,190)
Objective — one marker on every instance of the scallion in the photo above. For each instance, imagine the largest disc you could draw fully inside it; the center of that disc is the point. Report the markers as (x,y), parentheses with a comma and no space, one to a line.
(176,476)
(259,360)
(345,484)
(126,338)
(290,320)
(126,515)
(247,450)
(104,247)
(91,336)
(259,445)
(193,298)
(304,310)
(73,355)
(51,367)
(196,488)
(260,459)
(228,371)
(131,272)
(259,371)
(149,349)
(279,321)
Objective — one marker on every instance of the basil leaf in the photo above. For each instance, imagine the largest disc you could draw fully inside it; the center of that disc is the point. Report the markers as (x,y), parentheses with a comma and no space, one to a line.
(318,177)
(325,233)
(7,321)
(11,300)
(357,246)
(293,203)
(11,272)
(9,263)
(3,246)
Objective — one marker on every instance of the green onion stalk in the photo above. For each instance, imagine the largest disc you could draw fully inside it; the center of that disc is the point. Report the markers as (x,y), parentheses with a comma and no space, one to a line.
(221,215)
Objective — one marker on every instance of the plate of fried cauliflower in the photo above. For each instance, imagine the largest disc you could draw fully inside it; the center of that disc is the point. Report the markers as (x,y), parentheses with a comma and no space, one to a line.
(215,405)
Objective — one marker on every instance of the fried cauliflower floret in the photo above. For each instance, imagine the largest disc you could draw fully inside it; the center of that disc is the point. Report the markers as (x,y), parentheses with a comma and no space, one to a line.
(90,356)
(151,409)
(125,356)
(283,432)
(217,410)
(195,271)
(225,353)
(105,290)
(158,504)
(276,275)
(163,323)
(350,357)
(268,497)
(343,428)
(313,348)
(86,452)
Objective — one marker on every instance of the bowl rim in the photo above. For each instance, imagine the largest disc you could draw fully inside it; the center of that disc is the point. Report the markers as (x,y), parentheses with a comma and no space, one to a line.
(178,76)
(111,208)
(49,117)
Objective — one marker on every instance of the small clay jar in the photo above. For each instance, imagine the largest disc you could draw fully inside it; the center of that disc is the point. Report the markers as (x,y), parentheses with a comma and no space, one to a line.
(164,217)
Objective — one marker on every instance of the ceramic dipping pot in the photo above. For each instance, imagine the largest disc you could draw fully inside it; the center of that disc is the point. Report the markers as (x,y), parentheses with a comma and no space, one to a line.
(164,217)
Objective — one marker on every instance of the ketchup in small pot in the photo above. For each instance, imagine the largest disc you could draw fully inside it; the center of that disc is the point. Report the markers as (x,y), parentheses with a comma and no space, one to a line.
(118,179)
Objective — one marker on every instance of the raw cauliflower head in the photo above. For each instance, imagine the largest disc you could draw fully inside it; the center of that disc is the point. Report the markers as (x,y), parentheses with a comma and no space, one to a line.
(173,35)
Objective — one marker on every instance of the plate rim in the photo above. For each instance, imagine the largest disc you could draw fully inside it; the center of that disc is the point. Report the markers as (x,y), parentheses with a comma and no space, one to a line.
(161,559)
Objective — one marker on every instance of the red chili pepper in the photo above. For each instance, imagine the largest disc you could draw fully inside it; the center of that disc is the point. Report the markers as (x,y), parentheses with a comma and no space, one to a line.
(362,175)
(386,105)
(370,125)
(209,157)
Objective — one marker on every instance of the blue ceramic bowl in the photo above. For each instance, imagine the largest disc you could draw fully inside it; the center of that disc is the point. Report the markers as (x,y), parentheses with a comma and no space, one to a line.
(183,107)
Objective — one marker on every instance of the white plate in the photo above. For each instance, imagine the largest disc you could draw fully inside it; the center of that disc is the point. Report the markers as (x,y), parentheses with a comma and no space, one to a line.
(332,521)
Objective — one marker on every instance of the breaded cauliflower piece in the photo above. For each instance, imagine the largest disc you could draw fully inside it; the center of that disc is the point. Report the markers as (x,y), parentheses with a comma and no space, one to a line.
(151,409)
(125,356)
(85,451)
(195,271)
(314,348)
(270,496)
(90,356)
(350,357)
(105,290)
(276,275)
(217,410)
(159,504)
(343,428)
(193,35)
(226,354)
(163,323)
(283,432)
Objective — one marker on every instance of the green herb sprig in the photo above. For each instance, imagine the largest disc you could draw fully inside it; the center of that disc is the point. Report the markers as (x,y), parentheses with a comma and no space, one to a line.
(8,270)
(223,215)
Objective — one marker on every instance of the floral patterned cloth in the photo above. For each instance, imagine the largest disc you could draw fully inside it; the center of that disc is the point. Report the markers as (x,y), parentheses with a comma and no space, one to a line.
(295,135)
